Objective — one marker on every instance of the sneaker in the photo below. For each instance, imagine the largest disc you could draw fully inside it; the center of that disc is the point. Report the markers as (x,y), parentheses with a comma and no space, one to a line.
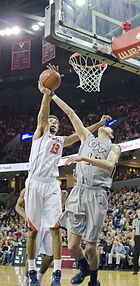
(97,284)
(33,278)
(135,272)
(56,276)
(79,277)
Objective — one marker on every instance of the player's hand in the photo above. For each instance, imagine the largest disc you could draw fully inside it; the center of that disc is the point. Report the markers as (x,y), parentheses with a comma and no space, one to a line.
(105,118)
(43,89)
(55,68)
(73,159)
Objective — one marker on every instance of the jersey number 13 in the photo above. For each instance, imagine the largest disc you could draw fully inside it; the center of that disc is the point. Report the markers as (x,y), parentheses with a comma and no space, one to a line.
(55,148)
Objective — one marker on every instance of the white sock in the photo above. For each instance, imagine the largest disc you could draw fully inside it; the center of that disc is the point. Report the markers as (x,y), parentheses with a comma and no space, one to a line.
(31,264)
(40,277)
(57,264)
(26,281)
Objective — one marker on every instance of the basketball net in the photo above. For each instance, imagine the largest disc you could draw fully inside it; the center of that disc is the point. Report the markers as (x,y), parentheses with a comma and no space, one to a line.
(89,71)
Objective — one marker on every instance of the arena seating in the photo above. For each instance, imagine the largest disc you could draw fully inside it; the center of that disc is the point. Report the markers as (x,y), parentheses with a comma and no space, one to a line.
(127,113)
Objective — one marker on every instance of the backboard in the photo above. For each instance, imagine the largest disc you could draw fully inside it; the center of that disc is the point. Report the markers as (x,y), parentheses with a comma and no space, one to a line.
(88,26)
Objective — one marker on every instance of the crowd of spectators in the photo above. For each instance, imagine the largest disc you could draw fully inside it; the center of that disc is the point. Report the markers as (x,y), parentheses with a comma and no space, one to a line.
(13,123)
(116,244)
(12,233)
(127,174)
(117,238)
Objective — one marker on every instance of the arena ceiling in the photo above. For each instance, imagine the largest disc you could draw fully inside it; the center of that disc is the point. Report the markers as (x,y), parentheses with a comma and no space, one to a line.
(22,13)
(24,5)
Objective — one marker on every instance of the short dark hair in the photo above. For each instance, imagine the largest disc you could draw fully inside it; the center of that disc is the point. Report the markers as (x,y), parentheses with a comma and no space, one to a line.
(53,116)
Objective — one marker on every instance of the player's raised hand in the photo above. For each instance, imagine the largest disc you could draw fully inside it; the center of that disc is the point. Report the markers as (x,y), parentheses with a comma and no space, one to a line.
(105,118)
(73,159)
(55,68)
(42,88)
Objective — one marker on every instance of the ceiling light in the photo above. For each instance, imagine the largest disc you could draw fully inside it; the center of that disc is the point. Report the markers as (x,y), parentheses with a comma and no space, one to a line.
(41,24)
(8,32)
(35,27)
(15,30)
(2,33)
(80,2)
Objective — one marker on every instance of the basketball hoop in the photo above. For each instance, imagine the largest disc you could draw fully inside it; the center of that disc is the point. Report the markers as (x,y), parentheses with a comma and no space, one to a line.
(89,70)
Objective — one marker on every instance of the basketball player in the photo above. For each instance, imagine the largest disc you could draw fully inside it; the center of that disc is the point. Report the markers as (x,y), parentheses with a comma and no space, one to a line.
(42,198)
(86,206)
(46,243)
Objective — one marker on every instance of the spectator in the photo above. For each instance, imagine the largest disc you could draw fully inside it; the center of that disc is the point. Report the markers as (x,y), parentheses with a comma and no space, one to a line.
(122,222)
(118,252)
(6,251)
(105,252)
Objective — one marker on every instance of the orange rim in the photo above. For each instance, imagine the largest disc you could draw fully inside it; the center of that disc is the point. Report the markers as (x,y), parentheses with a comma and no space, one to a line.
(84,67)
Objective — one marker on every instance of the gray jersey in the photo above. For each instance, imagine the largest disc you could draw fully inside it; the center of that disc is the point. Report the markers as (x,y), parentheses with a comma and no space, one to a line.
(90,175)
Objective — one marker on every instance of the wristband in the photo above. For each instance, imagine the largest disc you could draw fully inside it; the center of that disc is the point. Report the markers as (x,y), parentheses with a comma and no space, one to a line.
(52,93)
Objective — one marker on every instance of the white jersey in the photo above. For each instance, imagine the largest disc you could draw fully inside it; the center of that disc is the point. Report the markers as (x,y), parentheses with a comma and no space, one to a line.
(45,155)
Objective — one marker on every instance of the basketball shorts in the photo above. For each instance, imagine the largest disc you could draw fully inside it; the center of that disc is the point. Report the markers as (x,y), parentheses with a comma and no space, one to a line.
(42,202)
(44,242)
(85,212)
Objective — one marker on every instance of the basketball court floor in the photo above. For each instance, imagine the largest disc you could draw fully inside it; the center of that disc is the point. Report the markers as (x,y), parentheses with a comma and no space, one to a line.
(13,276)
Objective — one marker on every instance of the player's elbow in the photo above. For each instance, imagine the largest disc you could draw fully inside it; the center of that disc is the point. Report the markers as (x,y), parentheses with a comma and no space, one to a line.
(110,166)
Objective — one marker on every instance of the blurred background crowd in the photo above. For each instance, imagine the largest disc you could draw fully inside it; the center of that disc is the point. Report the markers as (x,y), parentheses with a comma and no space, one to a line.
(12,124)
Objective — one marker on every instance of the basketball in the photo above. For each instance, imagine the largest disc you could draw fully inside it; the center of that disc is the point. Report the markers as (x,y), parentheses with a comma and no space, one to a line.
(50,79)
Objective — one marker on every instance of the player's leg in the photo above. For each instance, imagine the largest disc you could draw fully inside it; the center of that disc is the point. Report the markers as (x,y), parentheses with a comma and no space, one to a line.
(57,246)
(31,250)
(33,207)
(96,211)
(77,252)
(93,259)
(74,218)
(74,246)
(44,246)
(57,251)
(52,201)
(46,261)
(31,246)
(26,276)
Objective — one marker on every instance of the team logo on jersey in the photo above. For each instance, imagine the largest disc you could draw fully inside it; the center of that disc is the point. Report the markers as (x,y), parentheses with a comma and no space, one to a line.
(56,138)
(96,146)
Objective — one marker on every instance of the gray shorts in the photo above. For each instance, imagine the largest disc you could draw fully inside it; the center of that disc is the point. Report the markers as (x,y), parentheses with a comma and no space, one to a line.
(85,212)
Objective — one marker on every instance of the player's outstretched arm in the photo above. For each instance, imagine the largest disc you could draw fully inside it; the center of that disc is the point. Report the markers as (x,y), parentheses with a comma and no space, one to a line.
(69,140)
(42,119)
(107,164)
(81,131)
(20,204)
(92,128)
